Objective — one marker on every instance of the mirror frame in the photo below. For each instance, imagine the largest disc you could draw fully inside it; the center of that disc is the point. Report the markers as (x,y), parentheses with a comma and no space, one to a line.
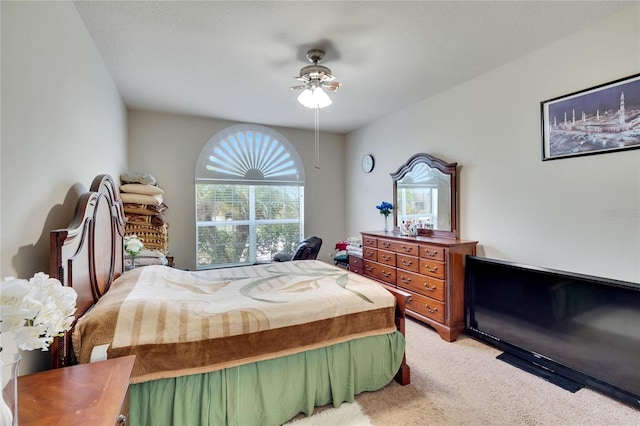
(450,169)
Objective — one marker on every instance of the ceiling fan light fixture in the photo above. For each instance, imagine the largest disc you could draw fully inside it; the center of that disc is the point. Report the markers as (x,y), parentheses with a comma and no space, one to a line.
(314,97)
(314,78)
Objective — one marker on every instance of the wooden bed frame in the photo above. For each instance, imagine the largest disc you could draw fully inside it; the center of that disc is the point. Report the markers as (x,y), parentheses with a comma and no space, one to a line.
(89,256)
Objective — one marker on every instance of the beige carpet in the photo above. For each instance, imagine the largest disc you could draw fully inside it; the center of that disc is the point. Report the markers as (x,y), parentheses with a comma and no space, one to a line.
(462,383)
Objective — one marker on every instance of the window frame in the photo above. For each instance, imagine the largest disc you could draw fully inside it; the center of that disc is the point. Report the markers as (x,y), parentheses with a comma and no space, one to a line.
(249,155)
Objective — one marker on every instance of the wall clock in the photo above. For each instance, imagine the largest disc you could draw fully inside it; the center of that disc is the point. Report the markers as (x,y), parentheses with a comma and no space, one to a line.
(367,163)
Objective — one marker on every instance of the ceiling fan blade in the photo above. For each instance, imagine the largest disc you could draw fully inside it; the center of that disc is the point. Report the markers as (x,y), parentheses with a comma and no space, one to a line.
(298,87)
(327,77)
(333,86)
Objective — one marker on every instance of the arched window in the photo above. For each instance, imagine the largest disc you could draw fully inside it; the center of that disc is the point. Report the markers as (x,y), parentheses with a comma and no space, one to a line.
(249,184)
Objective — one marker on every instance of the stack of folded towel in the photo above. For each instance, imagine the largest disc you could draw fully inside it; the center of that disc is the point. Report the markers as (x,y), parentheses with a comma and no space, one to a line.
(144,209)
(354,247)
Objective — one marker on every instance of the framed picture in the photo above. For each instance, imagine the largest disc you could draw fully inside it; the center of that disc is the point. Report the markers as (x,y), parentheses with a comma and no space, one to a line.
(601,119)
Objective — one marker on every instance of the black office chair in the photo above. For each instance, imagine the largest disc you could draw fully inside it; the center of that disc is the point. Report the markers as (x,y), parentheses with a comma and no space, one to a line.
(307,249)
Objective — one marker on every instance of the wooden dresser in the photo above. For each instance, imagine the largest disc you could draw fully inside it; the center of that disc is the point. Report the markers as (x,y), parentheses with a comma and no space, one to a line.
(430,269)
(84,394)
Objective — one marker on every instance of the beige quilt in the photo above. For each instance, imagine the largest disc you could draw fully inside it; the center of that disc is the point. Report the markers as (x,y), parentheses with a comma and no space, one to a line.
(184,322)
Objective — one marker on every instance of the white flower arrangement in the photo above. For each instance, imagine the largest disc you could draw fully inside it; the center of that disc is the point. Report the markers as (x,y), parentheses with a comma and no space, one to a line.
(37,310)
(133,245)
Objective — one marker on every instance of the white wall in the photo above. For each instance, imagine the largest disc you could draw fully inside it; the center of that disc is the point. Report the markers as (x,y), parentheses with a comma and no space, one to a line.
(519,208)
(63,122)
(167,146)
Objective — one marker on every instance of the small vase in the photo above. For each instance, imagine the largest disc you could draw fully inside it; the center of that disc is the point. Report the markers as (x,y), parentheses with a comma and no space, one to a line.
(9,379)
(130,264)
(386,223)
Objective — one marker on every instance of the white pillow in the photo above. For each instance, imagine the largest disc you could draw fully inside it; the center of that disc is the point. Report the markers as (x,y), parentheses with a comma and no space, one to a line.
(138,188)
(152,200)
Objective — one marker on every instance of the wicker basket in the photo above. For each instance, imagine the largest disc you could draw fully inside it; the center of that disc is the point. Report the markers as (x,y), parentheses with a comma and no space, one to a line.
(153,237)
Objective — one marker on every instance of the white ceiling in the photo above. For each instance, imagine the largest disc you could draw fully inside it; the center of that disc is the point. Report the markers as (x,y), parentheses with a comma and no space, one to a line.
(235,60)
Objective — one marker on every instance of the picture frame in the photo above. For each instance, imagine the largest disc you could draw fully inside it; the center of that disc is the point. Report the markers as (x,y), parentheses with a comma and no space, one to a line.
(600,119)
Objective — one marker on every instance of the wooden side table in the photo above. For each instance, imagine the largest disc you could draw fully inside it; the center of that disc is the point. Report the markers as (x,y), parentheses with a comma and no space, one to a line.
(85,394)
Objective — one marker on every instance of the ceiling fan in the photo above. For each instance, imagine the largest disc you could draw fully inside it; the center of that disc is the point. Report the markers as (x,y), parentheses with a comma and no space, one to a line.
(314,79)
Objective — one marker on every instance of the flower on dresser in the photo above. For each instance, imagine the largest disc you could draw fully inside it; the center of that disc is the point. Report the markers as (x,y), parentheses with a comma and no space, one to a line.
(37,310)
(385,208)
(133,245)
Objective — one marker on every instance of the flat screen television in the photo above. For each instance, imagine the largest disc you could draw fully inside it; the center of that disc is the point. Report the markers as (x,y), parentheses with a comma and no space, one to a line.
(583,328)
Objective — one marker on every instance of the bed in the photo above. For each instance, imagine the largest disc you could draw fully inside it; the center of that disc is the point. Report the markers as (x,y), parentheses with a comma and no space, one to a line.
(249,345)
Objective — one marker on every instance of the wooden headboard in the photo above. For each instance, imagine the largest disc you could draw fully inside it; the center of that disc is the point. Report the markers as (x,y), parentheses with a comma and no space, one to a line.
(88,255)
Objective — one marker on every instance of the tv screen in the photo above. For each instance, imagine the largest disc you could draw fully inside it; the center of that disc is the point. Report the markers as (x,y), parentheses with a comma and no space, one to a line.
(582,327)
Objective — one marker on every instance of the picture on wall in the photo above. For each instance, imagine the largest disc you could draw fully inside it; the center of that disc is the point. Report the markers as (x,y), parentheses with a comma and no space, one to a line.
(601,119)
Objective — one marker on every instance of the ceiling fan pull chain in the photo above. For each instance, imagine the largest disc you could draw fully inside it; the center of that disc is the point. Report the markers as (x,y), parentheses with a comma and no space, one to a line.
(317,136)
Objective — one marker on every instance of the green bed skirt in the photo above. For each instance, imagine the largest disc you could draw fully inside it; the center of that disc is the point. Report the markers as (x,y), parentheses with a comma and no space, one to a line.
(273,391)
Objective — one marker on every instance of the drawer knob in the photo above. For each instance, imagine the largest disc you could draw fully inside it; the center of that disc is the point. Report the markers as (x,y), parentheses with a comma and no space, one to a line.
(431,253)
(430,309)
(386,245)
(407,249)
(386,274)
(368,268)
(407,262)
(434,269)
(432,288)
(386,257)
(405,280)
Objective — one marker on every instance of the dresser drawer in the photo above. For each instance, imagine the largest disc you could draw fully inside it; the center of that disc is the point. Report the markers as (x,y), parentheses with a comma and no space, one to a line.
(369,242)
(369,253)
(356,265)
(432,252)
(422,284)
(387,257)
(385,244)
(379,271)
(401,247)
(428,307)
(432,268)
(124,410)
(409,263)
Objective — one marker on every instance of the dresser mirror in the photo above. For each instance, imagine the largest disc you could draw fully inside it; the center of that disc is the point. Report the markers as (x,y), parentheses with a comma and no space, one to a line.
(425,194)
